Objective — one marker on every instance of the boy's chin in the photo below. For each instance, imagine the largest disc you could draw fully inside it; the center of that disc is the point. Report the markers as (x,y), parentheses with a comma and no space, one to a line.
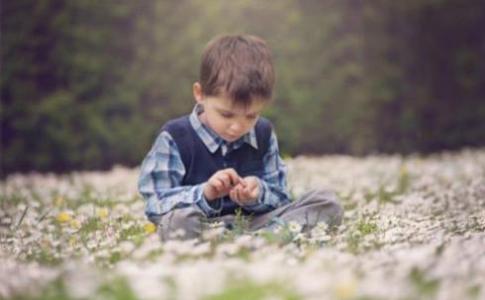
(230,139)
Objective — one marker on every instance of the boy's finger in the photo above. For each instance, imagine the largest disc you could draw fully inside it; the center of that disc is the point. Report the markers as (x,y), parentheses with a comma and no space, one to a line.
(248,193)
(239,196)
(248,187)
(254,193)
(254,187)
(234,196)
(226,180)
(235,179)
(218,185)
(243,193)
(243,183)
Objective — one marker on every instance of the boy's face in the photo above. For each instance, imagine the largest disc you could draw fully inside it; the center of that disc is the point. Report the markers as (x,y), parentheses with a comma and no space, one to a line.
(228,120)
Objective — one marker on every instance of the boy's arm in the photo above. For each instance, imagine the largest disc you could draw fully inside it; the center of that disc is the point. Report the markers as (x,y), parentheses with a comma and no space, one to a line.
(273,191)
(161,175)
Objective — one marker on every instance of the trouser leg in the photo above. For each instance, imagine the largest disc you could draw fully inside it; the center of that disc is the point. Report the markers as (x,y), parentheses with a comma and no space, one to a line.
(311,208)
(187,222)
(190,221)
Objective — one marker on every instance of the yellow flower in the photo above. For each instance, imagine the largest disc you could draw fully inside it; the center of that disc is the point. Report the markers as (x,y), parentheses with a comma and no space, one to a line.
(149,228)
(72,241)
(102,213)
(346,290)
(63,217)
(59,201)
(75,224)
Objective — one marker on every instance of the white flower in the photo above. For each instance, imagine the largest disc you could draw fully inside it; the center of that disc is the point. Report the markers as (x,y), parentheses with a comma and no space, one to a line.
(294,227)
(127,246)
(227,249)
(213,233)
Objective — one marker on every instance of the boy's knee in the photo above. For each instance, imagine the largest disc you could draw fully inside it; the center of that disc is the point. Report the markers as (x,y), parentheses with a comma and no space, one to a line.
(337,213)
(182,223)
(327,204)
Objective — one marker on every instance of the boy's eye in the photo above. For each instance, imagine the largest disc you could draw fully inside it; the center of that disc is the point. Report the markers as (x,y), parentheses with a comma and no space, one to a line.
(251,117)
(226,115)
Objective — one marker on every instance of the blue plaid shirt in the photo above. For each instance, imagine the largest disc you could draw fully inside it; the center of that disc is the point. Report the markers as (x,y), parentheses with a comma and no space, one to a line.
(162,172)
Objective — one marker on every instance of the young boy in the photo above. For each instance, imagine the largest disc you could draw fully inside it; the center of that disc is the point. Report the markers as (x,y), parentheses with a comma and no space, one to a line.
(224,156)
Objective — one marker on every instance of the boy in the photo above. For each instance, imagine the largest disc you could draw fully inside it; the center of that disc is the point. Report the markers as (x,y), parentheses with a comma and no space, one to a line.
(224,157)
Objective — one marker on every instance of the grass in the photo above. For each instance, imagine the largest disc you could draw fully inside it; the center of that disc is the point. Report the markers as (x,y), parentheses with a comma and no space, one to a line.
(356,242)
(424,285)
(254,291)
(116,288)
(106,235)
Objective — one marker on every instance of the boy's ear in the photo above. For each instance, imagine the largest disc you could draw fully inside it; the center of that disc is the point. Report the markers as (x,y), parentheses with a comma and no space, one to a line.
(197,91)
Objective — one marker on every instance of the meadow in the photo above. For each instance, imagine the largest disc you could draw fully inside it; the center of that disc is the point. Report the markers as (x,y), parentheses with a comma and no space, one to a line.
(413,228)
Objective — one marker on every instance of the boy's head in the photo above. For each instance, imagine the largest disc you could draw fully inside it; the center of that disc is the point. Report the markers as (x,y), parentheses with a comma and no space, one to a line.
(236,82)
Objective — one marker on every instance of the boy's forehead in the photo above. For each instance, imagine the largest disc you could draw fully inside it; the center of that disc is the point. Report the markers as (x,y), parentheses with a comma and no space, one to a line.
(255,105)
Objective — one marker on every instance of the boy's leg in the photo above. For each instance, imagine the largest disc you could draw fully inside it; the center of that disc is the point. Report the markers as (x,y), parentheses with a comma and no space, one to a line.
(191,220)
(187,220)
(311,208)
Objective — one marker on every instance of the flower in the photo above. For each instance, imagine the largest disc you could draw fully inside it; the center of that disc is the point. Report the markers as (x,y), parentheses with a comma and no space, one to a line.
(75,223)
(72,241)
(63,217)
(149,228)
(102,213)
(346,289)
(294,227)
(59,201)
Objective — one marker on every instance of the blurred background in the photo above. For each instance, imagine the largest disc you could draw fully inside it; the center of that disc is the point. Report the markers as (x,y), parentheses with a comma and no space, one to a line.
(88,84)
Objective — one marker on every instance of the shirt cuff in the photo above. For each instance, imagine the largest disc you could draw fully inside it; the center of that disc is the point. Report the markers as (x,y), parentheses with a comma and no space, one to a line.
(211,209)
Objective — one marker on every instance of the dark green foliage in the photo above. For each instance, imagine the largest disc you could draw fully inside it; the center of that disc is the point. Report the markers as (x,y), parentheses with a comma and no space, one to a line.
(87,84)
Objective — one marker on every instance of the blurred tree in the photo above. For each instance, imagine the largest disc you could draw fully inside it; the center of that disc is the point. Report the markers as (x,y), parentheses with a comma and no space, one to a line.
(87,84)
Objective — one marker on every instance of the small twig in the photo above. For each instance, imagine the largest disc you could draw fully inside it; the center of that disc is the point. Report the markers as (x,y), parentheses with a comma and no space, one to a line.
(43,217)
(23,216)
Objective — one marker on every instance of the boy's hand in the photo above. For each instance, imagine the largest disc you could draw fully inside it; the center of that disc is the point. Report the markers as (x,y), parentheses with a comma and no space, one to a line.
(221,183)
(247,192)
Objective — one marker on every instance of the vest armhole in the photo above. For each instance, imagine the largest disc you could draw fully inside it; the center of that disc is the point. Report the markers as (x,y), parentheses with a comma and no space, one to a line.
(178,130)
(263,135)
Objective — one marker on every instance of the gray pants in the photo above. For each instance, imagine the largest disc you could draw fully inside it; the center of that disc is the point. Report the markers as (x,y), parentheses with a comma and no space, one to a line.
(313,207)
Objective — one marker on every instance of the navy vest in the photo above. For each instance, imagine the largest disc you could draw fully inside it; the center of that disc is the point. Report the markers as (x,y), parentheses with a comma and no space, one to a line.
(200,164)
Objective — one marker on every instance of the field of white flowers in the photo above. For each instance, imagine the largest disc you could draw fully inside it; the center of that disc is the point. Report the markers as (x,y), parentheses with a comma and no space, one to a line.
(414,228)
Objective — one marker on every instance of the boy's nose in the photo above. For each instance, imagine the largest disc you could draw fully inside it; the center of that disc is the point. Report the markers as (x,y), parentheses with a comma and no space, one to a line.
(236,127)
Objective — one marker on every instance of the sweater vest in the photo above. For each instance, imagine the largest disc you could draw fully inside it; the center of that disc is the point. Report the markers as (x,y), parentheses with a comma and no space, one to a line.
(200,164)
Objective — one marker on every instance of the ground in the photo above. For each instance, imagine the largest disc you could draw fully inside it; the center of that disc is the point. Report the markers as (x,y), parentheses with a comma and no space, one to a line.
(413,229)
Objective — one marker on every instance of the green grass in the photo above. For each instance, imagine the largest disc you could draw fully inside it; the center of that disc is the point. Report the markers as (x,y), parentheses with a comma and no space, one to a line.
(254,291)
(116,288)
(11,200)
(383,195)
(55,290)
(423,285)
(366,227)
(355,235)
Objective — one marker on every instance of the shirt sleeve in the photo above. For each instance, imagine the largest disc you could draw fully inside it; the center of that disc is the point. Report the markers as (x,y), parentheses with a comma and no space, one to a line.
(160,181)
(273,186)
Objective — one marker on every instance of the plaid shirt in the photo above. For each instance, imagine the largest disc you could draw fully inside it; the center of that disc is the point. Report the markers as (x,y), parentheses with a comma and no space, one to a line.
(162,172)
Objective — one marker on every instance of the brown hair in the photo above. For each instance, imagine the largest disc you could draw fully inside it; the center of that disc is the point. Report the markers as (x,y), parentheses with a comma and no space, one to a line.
(239,67)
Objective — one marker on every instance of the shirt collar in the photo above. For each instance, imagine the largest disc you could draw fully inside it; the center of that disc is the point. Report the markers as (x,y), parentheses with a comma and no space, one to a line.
(211,139)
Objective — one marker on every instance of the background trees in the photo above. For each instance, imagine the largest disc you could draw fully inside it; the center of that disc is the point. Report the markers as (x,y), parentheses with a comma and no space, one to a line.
(86,84)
